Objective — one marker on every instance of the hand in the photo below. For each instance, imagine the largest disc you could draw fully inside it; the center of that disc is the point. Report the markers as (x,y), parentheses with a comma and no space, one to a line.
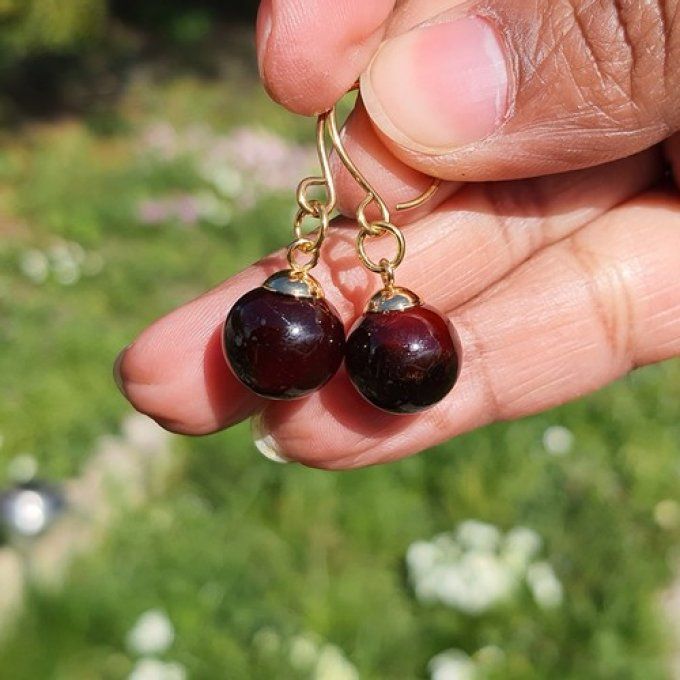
(558,284)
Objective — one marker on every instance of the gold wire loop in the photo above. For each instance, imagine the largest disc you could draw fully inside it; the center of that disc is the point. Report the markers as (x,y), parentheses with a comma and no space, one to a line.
(315,208)
(368,228)
(319,212)
(387,273)
(326,180)
(320,209)
(339,146)
(359,178)
(393,263)
(306,247)
(310,205)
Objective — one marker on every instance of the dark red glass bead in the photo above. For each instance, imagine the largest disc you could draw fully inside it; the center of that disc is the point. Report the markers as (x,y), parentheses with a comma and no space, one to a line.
(281,346)
(403,361)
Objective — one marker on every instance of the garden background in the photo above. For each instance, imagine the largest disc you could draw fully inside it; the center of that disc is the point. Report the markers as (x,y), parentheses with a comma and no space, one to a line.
(141,163)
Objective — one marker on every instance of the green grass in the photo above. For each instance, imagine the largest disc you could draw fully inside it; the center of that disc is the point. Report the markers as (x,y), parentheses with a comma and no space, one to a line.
(238,545)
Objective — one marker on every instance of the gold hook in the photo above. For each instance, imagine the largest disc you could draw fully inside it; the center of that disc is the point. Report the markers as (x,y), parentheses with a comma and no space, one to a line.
(372,195)
(370,229)
(423,198)
(331,118)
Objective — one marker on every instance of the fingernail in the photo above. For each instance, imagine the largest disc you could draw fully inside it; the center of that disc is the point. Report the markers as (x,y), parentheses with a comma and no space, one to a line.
(263,30)
(265,442)
(118,378)
(439,86)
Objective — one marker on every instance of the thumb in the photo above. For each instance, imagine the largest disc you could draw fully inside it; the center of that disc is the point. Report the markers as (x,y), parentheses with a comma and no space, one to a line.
(504,89)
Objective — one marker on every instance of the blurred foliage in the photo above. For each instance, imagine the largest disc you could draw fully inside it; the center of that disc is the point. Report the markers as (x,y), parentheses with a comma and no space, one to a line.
(30,26)
(38,25)
(240,546)
(65,56)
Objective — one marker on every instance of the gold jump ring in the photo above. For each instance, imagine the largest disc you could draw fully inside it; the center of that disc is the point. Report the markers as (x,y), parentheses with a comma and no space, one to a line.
(322,229)
(385,228)
(306,246)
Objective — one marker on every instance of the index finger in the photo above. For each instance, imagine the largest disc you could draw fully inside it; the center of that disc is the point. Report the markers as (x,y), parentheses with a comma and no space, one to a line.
(311,53)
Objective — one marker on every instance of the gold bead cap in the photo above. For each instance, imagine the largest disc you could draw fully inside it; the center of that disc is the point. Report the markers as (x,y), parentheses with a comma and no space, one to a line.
(297,284)
(393,299)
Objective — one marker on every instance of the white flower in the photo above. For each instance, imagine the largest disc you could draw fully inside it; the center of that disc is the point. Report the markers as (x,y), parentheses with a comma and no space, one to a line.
(227,181)
(66,258)
(22,468)
(152,634)
(34,265)
(453,664)
(667,514)
(267,641)
(544,585)
(476,535)
(304,652)
(67,272)
(421,556)
(477,567)
(153,669)
(476,583)
(447,547)
(334,665)
(558,440)
(491,655)
(520,546)
(427,586)
(144,433)
(29,513)
(426,561)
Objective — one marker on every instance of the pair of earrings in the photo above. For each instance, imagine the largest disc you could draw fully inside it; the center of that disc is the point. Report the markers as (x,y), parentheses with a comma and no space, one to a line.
(284,340)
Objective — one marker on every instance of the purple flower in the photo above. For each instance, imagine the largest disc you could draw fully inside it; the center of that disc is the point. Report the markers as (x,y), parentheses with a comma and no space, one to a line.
(182,208)
(152,211)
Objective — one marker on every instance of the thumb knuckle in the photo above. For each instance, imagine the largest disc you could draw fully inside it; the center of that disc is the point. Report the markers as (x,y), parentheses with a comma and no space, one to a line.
(609,62)
(616,52)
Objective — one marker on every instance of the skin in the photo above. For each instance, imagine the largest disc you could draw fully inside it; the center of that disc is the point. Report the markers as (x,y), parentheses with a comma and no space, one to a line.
(561,274)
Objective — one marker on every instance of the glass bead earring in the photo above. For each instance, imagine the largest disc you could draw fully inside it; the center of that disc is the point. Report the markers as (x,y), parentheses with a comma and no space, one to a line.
(401,355)
(284,340)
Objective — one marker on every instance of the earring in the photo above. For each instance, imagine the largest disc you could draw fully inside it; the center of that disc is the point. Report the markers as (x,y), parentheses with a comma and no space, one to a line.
(284,340)
(401,355)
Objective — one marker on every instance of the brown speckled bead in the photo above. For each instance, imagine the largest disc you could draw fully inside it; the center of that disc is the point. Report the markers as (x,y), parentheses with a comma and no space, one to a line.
(403,361)
(281,346)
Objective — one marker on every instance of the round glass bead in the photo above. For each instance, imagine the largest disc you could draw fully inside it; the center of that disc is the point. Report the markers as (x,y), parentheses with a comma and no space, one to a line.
(403,361)
(281,346)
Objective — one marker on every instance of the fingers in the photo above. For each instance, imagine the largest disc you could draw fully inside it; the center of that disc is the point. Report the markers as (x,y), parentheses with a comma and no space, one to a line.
(175,373)
(574,317)
(497,89)
(310,53)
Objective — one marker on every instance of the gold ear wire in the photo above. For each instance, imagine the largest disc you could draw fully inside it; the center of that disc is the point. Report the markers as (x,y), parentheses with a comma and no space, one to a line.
(423,198)
(368,229)
(331,117)
(371,194)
